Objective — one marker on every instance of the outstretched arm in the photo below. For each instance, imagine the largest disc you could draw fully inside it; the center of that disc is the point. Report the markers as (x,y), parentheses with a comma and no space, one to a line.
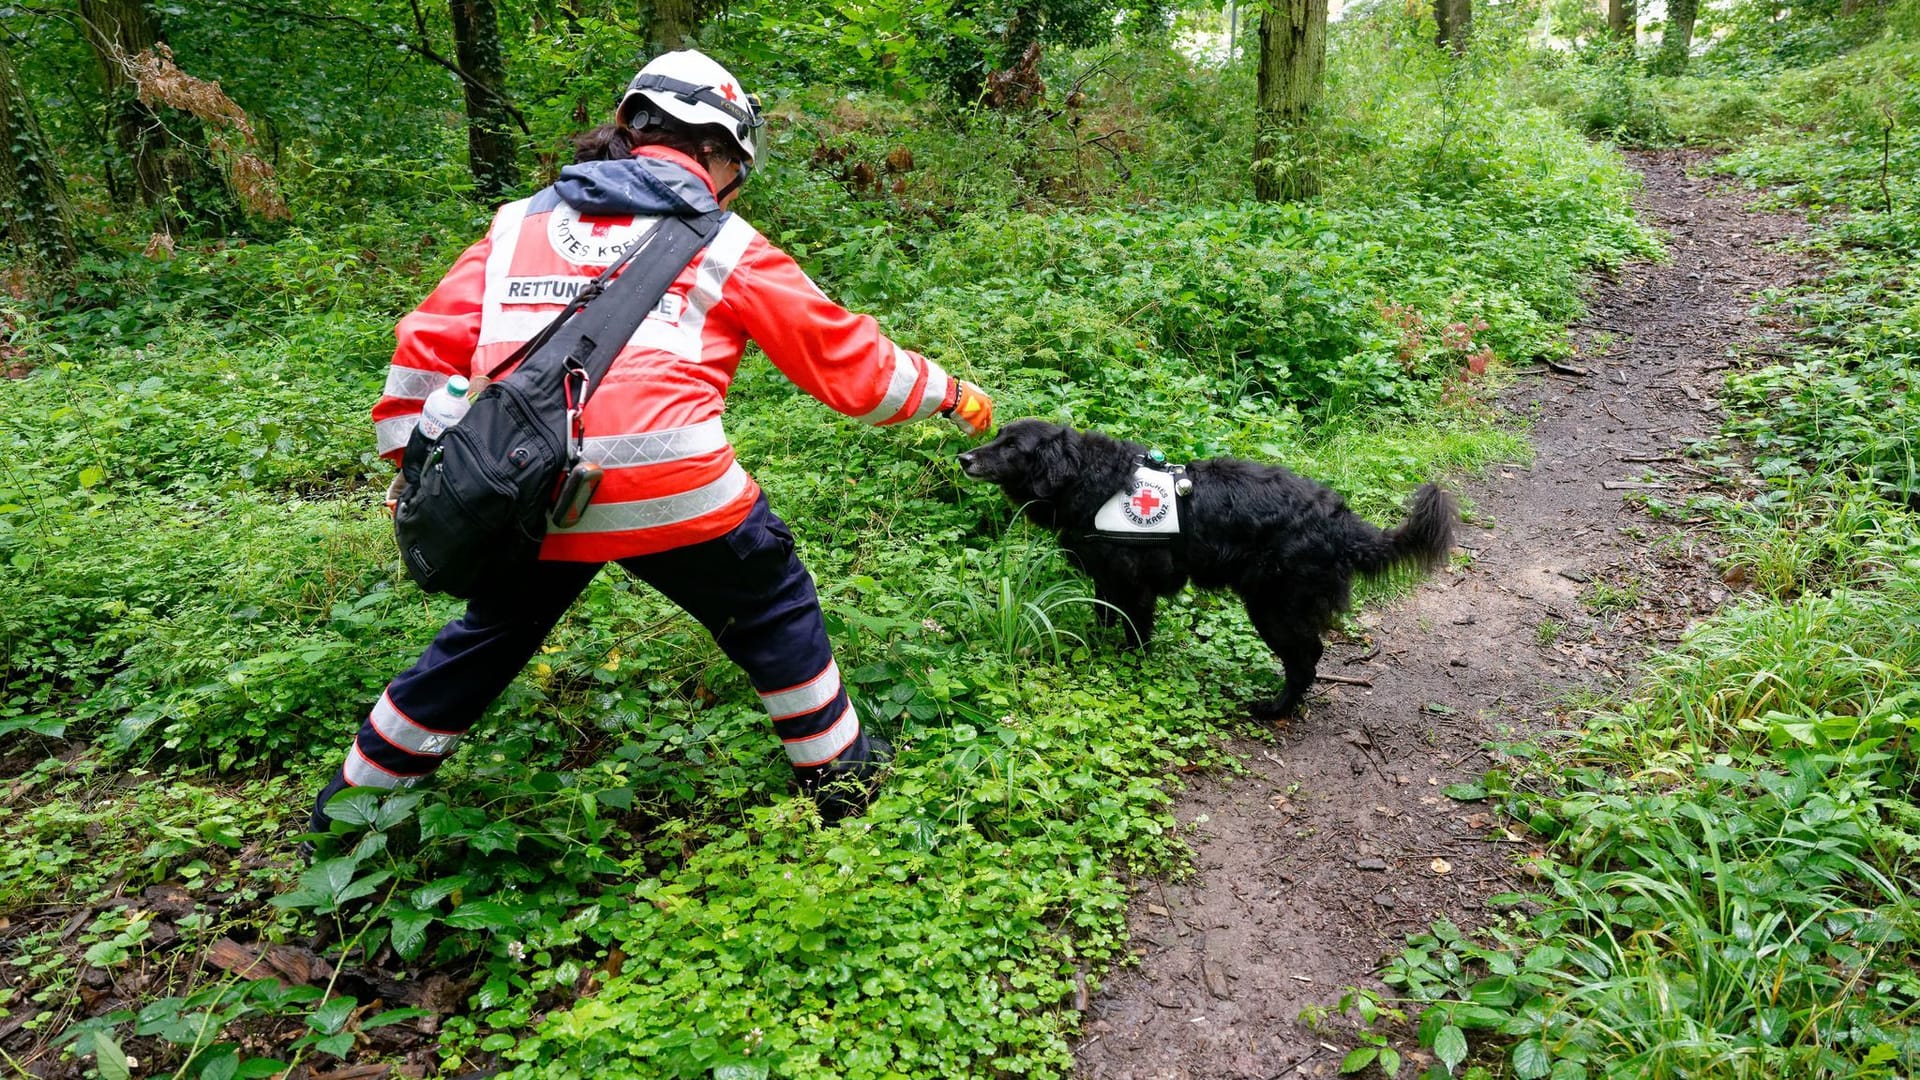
(842,358)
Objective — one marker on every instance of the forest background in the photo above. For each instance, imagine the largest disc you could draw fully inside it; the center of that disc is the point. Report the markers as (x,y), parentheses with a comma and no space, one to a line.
(1242,232)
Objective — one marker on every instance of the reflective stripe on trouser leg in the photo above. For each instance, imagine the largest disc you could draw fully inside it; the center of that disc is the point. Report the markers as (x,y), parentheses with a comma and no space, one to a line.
(425,711)
(815,719)
(807,751)
(758,602)
(400,751)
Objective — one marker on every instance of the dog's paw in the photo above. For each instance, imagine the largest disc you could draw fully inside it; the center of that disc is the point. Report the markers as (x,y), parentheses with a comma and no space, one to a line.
(1274,709)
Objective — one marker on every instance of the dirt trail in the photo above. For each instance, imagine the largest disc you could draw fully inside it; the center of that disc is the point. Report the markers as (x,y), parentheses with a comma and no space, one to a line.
(1314,865)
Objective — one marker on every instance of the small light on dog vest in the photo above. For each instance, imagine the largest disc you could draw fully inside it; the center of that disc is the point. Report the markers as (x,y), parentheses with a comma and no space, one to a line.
(1156,457)
(1183,486)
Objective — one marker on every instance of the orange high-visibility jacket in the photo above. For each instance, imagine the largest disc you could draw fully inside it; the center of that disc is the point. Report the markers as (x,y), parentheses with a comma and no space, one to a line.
(654,423)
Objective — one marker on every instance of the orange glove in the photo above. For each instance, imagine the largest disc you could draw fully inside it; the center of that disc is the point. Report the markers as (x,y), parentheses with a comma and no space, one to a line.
(972,409)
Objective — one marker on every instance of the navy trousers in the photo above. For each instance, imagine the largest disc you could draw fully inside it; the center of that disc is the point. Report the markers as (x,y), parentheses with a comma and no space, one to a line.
(747,588)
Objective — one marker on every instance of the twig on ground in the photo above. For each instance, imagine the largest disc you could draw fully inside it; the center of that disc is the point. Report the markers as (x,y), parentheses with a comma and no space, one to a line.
(1886,155)
(1294,1069)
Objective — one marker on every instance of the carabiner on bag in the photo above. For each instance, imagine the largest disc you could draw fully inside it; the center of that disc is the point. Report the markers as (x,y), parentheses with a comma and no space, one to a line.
(573,383)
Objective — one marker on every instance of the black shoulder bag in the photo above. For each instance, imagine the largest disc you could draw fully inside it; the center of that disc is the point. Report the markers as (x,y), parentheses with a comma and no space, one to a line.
(476,502)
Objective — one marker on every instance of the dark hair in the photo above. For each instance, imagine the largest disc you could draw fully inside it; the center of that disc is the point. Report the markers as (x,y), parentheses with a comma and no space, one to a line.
(612,142)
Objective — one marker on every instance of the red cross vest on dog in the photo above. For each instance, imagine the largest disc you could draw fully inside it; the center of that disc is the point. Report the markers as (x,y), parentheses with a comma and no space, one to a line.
(1148,510)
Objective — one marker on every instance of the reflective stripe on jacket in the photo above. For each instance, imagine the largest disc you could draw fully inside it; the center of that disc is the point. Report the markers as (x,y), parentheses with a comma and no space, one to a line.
(654,423)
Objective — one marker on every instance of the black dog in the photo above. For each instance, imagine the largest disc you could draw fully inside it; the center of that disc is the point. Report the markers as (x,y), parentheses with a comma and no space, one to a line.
(1287,545)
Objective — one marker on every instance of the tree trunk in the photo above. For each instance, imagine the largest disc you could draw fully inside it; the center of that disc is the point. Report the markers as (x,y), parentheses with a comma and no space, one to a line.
(1293,57)
(32,197)
(1622,20)
(172,171)
(117,29)
(671,23)
(1676,42)
(492,151)
(1454,19)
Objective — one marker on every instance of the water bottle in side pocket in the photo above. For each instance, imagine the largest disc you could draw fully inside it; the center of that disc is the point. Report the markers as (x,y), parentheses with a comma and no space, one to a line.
(444,407)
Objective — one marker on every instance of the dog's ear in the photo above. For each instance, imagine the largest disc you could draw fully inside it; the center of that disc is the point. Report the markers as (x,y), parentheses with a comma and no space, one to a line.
(1055,464)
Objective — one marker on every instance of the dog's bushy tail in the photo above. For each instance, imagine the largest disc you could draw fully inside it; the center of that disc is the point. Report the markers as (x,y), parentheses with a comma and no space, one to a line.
(1423,538)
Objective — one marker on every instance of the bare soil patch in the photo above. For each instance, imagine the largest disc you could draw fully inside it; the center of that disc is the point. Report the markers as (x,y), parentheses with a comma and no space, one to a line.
(1338,841)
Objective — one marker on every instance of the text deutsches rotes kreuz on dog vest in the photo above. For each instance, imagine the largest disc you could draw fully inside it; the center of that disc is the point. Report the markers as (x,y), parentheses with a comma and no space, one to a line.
(1147,510)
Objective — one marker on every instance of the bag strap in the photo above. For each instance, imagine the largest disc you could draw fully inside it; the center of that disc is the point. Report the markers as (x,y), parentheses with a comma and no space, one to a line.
(670,245)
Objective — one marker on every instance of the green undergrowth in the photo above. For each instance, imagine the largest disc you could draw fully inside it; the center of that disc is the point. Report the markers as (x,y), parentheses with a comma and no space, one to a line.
(1610,95)
(1761,77)
(1728,879)
(1726,864)
(200,601)
(1844,404)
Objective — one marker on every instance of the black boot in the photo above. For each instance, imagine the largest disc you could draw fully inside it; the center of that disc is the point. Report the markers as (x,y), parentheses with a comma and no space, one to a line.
(320,822)
(843,787)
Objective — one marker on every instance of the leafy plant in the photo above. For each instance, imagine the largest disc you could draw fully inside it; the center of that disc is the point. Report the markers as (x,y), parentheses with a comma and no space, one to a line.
(193,1023)
(1374,1048)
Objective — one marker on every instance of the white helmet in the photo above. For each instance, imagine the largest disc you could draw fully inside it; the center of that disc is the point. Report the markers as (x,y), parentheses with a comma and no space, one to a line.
(689,89)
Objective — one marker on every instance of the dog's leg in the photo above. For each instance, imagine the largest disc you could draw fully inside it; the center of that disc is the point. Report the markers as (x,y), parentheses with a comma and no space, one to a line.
(1299,650)
(1136,619)
(1129,605)
(1301,662)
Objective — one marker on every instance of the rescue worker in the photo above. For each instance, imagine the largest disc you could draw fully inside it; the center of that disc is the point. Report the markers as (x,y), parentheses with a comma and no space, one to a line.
(675,509)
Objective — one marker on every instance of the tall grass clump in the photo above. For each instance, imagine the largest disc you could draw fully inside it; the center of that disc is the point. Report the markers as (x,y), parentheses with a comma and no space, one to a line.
(1022,604)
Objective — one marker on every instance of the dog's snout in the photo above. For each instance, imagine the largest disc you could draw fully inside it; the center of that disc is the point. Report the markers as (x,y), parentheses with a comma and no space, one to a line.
(966,458)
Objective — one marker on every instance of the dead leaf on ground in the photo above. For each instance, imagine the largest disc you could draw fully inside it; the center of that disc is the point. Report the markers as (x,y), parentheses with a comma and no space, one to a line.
(290,962)
(440,993)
